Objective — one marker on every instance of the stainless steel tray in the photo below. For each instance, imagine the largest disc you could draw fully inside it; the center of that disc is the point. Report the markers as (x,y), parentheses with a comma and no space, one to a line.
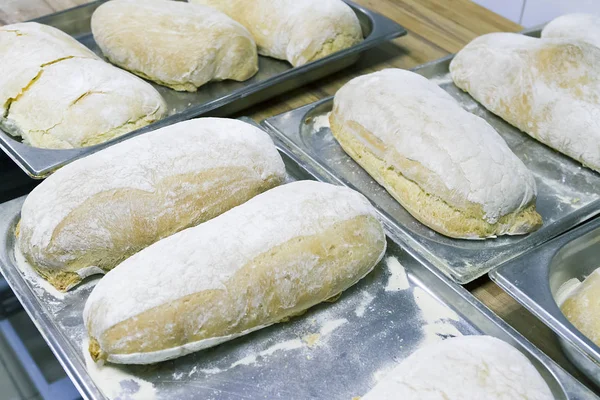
(334,351)
(217,99)
(534,279)
(567,192)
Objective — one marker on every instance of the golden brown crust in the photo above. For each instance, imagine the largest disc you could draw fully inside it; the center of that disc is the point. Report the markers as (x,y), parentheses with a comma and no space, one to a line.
(271,288)
(134,224)
(428,208)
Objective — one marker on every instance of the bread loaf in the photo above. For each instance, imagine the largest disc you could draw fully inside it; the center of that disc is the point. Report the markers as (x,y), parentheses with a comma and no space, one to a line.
(449,168)
(95,212)
(582,307)
(548,88)
(257,264)
(176,44)
(55,93)
(463,368)
(584,27)
(292,30)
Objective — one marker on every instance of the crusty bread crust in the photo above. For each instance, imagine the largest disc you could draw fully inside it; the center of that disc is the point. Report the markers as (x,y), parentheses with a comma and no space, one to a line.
(258,264)
(176,44)
(60,95)
(96,212)
(299,31)
(429,209)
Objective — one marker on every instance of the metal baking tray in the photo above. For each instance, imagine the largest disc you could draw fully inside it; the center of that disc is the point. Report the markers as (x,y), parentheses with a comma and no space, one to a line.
(216,99)
(335,351)
(534,279)
(567,192)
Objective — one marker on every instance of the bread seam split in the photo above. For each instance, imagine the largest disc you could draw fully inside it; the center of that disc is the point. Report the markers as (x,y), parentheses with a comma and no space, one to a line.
(9,102)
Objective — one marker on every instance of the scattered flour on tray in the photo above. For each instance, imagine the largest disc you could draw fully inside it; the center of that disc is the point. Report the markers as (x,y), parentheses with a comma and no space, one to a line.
(436,316)
(398,279)
(331,326)
(366,299)
(431,309)
(322,121)
(326,327)
(38,284)
(437,332)
(116,384)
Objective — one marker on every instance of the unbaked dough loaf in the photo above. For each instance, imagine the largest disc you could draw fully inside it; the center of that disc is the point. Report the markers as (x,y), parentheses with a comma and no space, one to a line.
(95,212)
(463,368)
(269,259)
(55,93)
(176,44)
(582,307)
(548,88)
(584,27)
(299,31)
(449,168)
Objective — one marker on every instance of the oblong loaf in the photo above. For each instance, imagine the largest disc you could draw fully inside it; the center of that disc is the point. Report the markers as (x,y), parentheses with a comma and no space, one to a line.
(463,368)
(95,212)
(449,168)
(582,307)
(548,88)
(266,260)
(176,44)
(584,27)
(292,30)
(55,93)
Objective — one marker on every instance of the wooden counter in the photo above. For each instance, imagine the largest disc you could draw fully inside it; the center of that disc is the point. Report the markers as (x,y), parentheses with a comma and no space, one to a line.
(436,28)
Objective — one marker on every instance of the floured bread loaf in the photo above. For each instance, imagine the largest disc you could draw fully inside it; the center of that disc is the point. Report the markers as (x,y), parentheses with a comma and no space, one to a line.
(584,27)
(55,93)
(95,212)
(293,30)
(548,88)
(269,259)
(582,307)
(175,44)
(449,168)
(463,368)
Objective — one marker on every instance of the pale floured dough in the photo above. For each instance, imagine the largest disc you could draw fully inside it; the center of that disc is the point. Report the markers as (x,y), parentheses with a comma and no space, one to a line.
(582,307)
(548,88)
(173,43)
(449,168)
(55,93)
(268,259)
(95,212)
(299,31)
(463,368)
(584,27)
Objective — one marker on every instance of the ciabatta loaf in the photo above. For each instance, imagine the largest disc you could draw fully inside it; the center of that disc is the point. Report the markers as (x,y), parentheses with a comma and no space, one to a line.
(463,368)
(55,93)
(176,44)
(548,88)
(582,307)
(449,168)
(257,264)
(584,27)
(95,212)
(299,31)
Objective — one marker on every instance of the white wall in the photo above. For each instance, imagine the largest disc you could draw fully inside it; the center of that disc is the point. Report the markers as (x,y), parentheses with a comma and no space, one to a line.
(534,12)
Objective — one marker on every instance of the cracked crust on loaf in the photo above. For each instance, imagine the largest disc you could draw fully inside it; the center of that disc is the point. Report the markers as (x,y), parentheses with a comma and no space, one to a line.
(61,95)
